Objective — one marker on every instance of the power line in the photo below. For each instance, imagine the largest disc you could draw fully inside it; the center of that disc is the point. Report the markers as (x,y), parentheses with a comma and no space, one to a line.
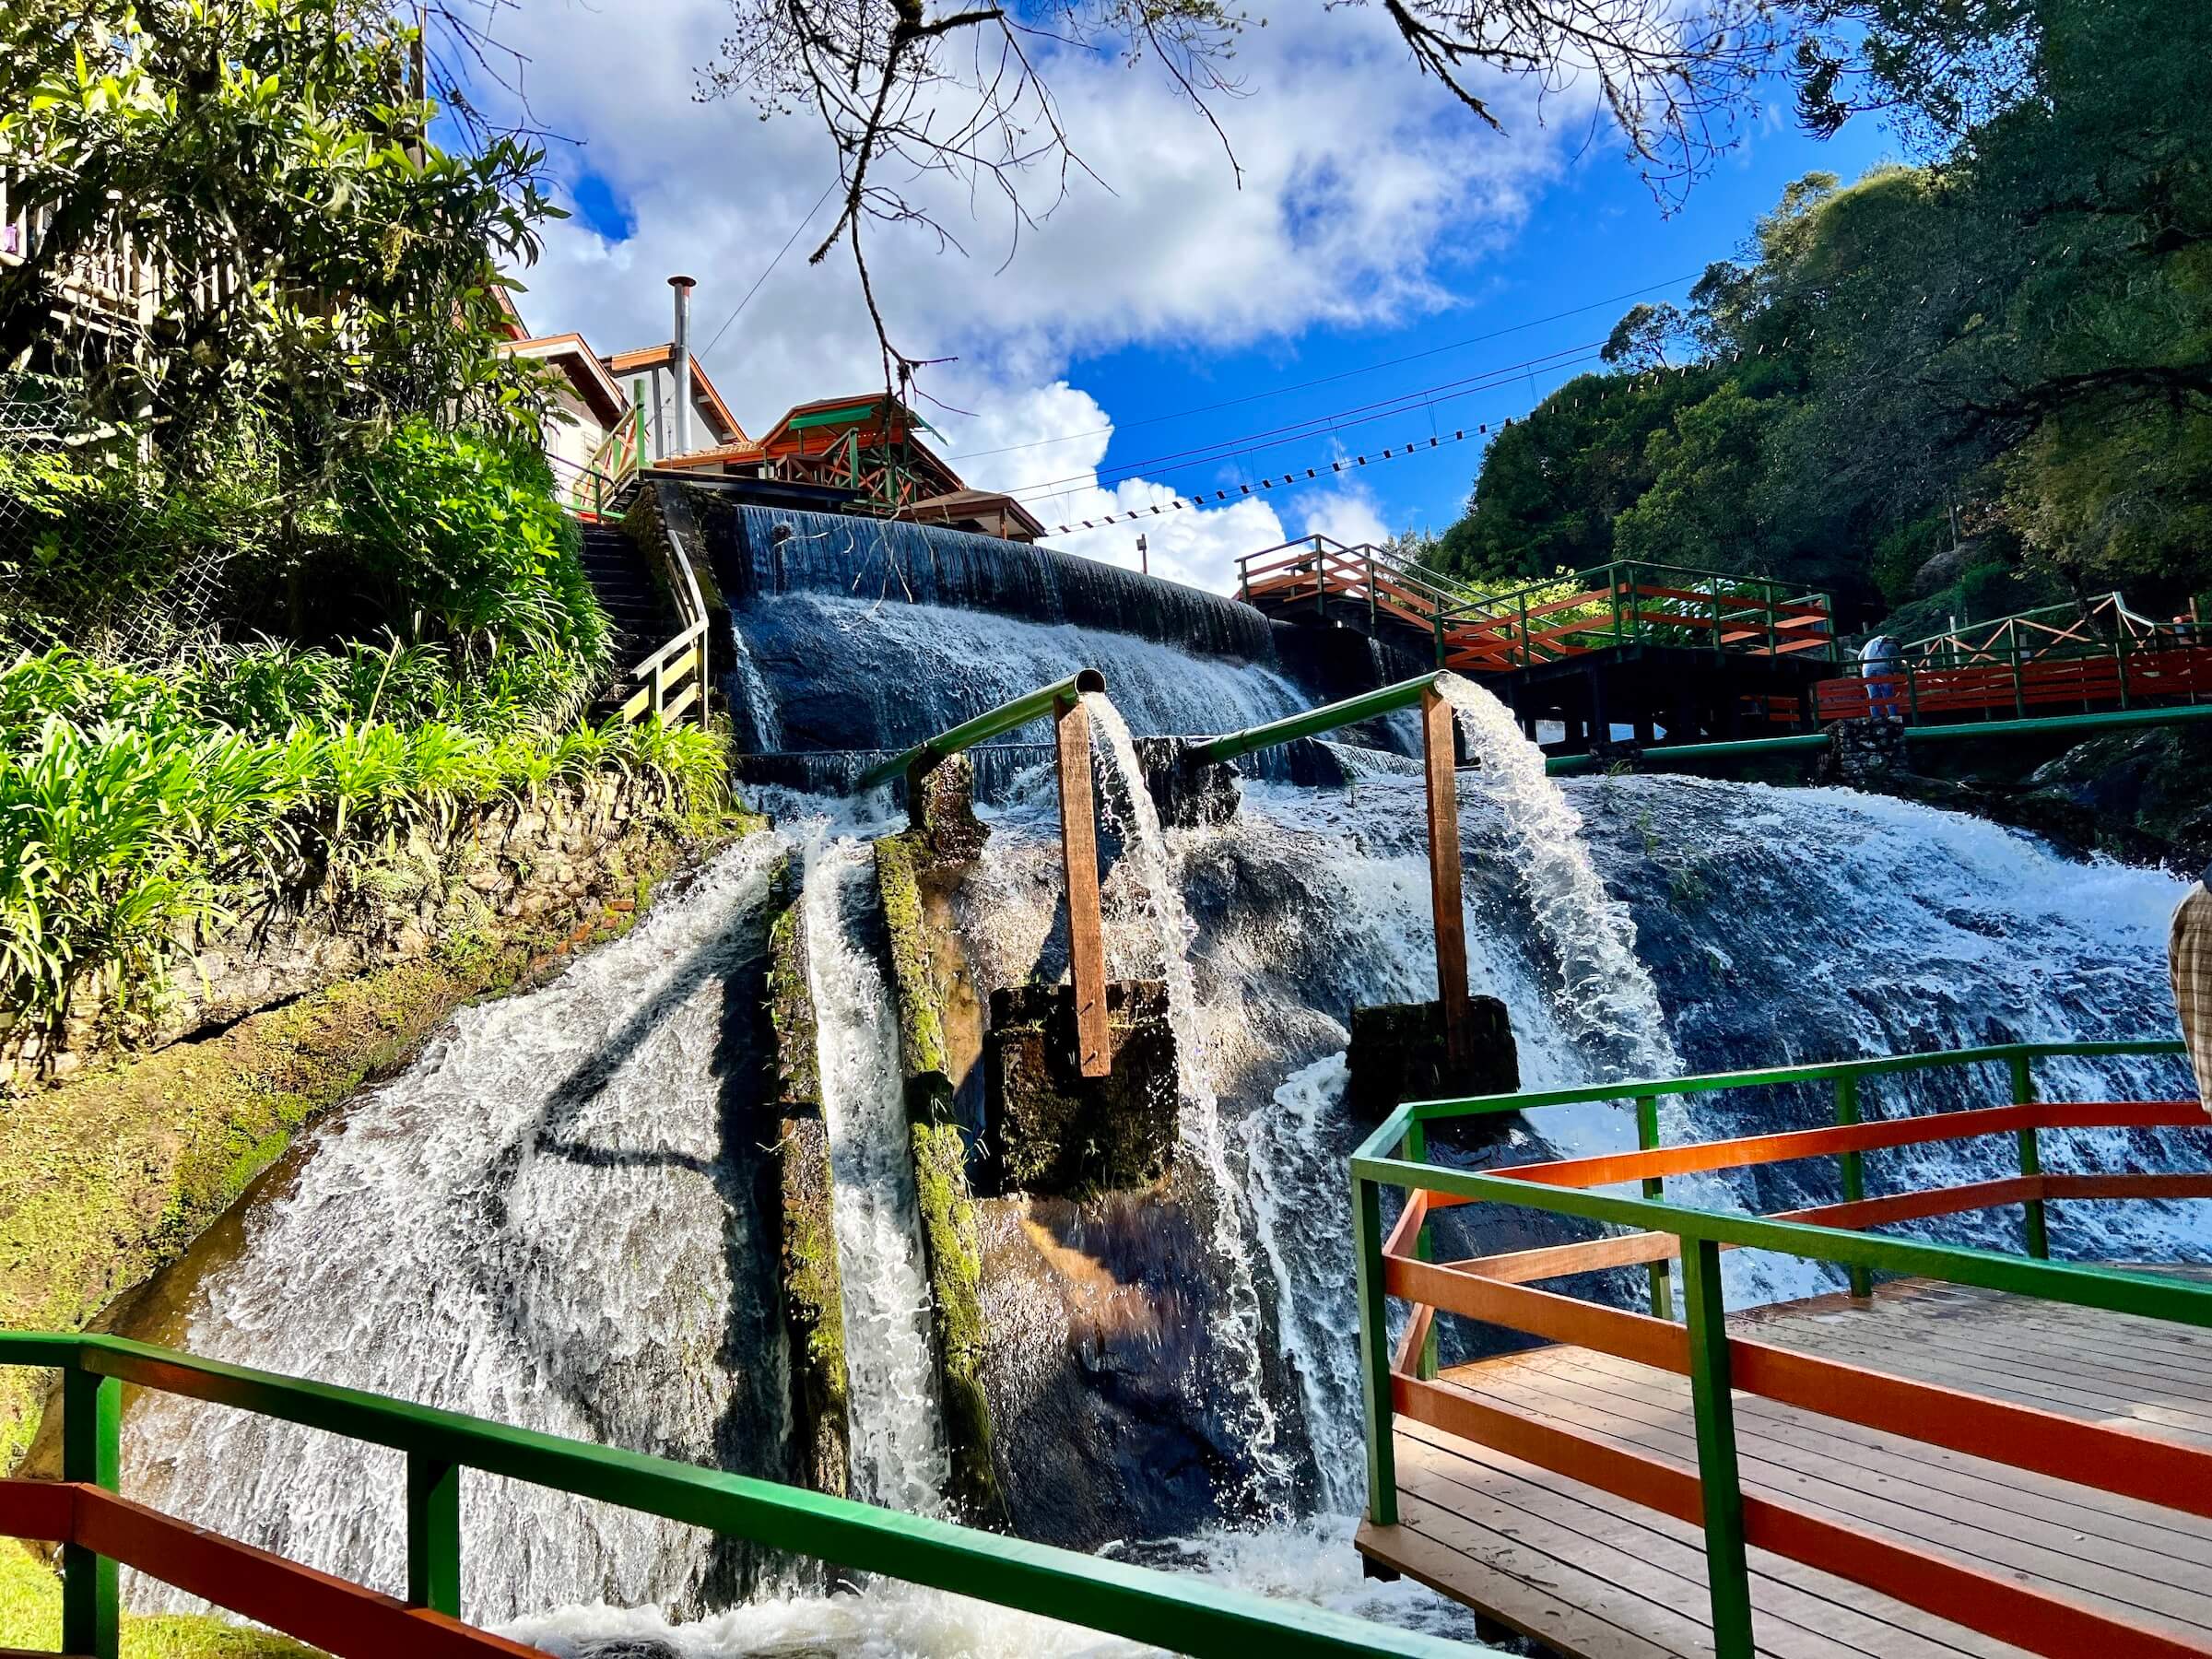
(1413,356)
(1224,449)
(773,263)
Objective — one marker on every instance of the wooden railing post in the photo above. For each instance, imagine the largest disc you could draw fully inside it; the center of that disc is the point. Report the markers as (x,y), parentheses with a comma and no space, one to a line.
(1654,1186)
(1374,1353)
(1712,1403)
(1854,1170)
(1439,754)
(433,1534)
(2031,1161)
(92,1423)
(1079,859)
(1423,1245)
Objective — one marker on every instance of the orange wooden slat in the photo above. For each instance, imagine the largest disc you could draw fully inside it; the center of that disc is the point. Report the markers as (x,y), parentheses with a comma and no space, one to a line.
(2127,1186)
(344,1619)
(1414,1339)
(1607,1168)
(2123,1461)
(1921,1205)
(1400,1241)
(37,1509)
(2054,1626)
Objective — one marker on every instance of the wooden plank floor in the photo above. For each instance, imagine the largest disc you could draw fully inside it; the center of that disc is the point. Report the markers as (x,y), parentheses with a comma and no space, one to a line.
(1596,1577)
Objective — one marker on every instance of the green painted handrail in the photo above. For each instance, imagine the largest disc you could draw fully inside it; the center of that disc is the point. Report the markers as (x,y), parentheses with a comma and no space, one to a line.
(1393,1157)
(1035,705)
(1329,717)
(1752,747)
(1183,1613)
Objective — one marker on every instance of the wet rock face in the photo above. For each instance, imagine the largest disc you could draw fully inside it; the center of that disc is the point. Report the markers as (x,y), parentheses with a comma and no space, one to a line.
(1188,789)
(1397,1054)
(940,803)
(1053,1131)
(1096,1367)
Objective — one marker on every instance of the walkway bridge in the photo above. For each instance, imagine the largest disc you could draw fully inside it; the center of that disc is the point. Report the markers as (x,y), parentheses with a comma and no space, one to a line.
(1987,1453)
(2090,655)
(1639,644)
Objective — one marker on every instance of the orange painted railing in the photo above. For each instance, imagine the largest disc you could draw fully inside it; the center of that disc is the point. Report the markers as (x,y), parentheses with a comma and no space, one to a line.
(2096,654)
(1474,632)
(1500,1289)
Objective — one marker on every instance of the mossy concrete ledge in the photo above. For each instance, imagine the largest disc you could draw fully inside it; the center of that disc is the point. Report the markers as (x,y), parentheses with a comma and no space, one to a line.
(952,1242)
(813,1294)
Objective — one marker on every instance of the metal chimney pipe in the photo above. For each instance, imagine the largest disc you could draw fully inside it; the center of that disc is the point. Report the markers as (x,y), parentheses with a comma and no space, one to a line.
(683,287)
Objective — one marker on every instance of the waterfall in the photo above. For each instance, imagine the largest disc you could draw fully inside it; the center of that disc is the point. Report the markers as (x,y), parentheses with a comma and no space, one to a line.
(898,1454)
(545,1220)
(841,674)
(1611,1007)
(1146,909)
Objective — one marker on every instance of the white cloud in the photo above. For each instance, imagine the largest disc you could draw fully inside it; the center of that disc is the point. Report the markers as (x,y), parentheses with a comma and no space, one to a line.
(1360,180)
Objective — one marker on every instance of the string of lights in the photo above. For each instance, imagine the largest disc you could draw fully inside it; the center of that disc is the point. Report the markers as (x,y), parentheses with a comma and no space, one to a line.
(1196,499)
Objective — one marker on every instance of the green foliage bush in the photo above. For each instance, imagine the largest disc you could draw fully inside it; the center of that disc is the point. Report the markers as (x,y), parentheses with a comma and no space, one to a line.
(466,530)
(129,818)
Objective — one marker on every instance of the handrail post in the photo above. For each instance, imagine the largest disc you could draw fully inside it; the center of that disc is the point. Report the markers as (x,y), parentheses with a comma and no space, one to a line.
(2019,692)
(1424,1245)
(433,1534)
(1854,1170)
(2031,1159)
(1654,1186)
(1080,860)
(1712,1403)
(1438,731)
(1374,1349)
(92,1423)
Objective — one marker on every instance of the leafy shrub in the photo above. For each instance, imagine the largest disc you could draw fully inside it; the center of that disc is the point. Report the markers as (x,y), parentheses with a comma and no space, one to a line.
(466,530)
(130,816)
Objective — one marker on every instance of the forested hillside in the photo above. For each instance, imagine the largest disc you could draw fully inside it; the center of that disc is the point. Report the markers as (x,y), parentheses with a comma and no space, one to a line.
(1965,386)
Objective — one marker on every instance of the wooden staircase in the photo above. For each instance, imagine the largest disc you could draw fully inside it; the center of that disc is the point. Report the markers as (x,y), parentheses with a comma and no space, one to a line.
(640,608)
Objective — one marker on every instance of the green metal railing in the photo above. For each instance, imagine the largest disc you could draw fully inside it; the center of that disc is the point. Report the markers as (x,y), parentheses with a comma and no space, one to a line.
(1034,705)
(1395,1156)
(1329,717)
(1186,1615)
(1632,602)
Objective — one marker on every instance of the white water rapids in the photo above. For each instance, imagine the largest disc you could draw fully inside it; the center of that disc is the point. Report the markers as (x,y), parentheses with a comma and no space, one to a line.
(547,1220)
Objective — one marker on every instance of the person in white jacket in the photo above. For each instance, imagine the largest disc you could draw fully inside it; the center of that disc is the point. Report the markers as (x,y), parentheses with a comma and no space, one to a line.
(2189,961)
(1877,666)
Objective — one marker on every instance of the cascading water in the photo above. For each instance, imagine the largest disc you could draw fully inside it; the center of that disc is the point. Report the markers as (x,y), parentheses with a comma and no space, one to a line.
(547,1221)
(839,675)
(1147,912)
(1608,1004)
(898,1454)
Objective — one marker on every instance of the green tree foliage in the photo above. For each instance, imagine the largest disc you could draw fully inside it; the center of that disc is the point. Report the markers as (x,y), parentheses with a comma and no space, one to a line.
(2014,339)
(324,265)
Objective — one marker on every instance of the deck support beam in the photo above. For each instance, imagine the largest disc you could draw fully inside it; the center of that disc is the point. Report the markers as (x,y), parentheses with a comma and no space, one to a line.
(1439,733)
(91,1435)
(1712,1402)
(1079,858)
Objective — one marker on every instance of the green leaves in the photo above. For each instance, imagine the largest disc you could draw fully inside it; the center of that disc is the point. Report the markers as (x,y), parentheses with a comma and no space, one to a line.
(130,817)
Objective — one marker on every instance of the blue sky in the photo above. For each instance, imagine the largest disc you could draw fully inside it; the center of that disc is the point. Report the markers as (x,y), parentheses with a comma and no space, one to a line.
(1376,221)
(1593,235)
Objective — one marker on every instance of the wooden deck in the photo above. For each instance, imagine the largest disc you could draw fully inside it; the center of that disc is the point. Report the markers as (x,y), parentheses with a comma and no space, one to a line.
(1595,1576)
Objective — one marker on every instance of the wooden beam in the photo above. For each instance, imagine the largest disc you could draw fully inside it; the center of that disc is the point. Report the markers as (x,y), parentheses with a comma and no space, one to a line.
(1079,858)
(1437,731)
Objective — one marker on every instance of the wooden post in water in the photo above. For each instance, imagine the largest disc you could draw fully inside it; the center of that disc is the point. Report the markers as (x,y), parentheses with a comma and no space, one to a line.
(1079,855)
(1438,749)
